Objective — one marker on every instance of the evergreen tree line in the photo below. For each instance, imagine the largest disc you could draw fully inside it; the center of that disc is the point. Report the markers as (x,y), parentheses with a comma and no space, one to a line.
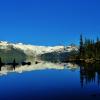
(89,49)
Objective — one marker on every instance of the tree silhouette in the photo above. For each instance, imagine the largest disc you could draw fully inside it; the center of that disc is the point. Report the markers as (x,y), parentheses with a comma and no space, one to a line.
(89,49)
(81,49)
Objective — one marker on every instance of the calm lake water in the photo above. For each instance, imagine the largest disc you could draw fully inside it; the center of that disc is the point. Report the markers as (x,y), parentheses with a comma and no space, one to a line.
(67,83)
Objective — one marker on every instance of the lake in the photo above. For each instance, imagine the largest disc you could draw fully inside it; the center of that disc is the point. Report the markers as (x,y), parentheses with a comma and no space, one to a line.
(48,81)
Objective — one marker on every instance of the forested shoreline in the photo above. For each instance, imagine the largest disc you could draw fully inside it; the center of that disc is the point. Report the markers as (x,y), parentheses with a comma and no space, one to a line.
(89,50)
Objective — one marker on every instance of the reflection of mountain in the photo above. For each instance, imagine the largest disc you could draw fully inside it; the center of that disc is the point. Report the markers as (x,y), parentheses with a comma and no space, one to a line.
(20,52)
(40,66)
(89,73)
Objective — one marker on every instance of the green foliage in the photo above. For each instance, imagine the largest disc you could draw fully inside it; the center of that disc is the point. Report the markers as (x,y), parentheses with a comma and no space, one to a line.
(89,49)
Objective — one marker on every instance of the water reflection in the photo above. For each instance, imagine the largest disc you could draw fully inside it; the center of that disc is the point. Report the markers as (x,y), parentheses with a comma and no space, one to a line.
(89,73)
(27,66)
(13,64)
(60,83)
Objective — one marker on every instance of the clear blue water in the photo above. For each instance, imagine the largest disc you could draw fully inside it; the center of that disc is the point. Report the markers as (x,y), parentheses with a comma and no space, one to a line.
(48,85)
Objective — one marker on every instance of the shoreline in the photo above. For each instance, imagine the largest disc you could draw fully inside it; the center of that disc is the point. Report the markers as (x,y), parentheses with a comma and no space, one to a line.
(91,61)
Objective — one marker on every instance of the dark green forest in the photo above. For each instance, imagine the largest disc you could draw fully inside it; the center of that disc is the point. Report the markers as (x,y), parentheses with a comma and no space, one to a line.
(89,49)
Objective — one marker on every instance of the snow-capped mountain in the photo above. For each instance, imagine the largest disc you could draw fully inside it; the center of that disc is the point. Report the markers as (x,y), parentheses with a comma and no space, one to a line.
(34,51)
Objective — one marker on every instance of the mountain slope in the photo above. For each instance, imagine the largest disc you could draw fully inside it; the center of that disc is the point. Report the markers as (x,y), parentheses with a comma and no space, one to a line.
(8,53)
(31,52)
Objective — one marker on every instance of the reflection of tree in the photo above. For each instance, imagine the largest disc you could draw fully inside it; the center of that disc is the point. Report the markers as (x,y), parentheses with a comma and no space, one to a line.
(1,64)
(89,73)
(97,68)
(13,64)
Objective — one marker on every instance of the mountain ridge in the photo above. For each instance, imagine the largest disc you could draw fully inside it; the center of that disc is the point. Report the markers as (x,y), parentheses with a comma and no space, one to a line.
(32,51)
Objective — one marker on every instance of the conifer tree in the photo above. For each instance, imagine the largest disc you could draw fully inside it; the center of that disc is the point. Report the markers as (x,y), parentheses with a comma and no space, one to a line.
(81,49)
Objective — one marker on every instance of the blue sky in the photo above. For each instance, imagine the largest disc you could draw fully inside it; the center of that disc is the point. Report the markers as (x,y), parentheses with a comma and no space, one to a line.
(49,22)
